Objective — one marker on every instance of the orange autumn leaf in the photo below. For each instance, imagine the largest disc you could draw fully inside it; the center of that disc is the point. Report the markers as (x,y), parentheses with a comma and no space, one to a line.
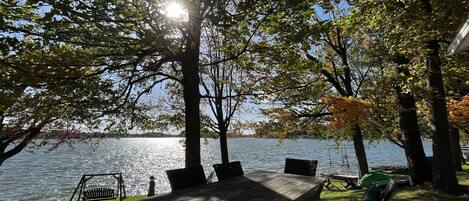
(346,110)
(283,115)
(459,111)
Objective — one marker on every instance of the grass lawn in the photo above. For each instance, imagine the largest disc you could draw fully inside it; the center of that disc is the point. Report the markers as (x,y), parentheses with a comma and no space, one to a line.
(133,198)
(418,193)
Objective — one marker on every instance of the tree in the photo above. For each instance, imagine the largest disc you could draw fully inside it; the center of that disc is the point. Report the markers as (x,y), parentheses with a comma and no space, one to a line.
(313,52)
(456,74)
(122,42)
(409,128)
(137,44)
(225,86)
(58,73)
(416,29)
(394,105)
(459,112)
(189,61)
(39,97)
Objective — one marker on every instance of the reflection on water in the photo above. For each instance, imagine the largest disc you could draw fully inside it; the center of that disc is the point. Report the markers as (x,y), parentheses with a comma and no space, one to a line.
(54,175)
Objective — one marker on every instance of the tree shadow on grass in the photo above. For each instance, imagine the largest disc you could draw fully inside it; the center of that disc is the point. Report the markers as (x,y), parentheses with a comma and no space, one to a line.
(342,195)
(425,193)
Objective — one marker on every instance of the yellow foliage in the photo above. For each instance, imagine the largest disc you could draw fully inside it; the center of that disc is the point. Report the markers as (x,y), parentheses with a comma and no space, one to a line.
(234,133)
(283,115)
(346,111)
(459,111)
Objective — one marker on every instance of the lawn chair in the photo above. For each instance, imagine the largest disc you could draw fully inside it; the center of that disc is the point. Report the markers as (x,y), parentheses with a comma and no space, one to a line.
(186,177)
(376,193)
(228,170)
(301,167)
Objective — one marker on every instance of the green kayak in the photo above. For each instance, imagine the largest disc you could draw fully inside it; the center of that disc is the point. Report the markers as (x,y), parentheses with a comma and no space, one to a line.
(373,178)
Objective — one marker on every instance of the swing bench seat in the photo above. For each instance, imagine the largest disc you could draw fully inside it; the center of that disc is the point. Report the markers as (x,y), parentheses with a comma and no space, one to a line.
(99,194)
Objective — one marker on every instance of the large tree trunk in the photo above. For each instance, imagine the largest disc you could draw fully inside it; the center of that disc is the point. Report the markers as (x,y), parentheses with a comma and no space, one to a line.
(192,120)
(224,147)
(190,81)
(408,123)
(360,150)
(444,175)
(222,128)
(416,159)
(357,132)
(456,148)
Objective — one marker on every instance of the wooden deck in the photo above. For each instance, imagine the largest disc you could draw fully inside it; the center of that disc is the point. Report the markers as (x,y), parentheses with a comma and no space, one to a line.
(255,186)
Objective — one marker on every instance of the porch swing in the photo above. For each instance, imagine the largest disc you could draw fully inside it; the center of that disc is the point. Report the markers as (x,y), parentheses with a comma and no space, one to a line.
(96,194)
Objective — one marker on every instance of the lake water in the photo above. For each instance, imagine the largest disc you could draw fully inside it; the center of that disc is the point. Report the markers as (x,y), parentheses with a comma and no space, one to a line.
(41,175)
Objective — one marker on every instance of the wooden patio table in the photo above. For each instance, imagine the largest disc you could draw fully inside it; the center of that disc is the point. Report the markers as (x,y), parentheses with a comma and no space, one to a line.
(255,186)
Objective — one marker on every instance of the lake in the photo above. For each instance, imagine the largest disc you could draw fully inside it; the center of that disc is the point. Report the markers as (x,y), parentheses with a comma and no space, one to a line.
(41,175)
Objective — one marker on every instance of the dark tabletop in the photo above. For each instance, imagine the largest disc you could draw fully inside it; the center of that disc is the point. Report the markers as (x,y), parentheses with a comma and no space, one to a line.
(255,186)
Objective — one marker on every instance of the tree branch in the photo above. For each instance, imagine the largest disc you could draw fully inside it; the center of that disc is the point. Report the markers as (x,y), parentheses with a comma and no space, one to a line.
(32,131)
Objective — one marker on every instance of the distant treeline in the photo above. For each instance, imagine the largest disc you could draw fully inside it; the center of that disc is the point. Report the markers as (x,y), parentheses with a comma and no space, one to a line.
(120,135)
(75,134)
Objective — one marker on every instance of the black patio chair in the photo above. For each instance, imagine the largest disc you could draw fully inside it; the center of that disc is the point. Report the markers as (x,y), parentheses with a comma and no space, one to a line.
(186,177)
(228,170)
(301,167)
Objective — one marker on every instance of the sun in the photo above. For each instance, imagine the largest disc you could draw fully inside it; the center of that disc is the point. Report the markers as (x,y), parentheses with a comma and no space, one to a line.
(176,11)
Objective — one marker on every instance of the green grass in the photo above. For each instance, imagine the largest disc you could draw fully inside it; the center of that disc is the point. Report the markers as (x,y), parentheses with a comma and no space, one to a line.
(417,193)
(463,177)
(341,193)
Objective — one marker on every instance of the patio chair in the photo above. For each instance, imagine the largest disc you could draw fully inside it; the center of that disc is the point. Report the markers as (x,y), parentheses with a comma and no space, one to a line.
(301,167)
(376,193)
(390,187)
(228,170)
(186,177)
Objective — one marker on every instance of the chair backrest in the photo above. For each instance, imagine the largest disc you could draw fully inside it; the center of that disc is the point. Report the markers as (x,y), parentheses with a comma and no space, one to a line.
(186,177)
(390,187)
(372,193)
(301,167)
(228,170)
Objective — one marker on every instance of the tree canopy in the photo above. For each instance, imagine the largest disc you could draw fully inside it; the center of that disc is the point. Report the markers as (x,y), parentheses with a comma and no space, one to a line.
(346,70)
